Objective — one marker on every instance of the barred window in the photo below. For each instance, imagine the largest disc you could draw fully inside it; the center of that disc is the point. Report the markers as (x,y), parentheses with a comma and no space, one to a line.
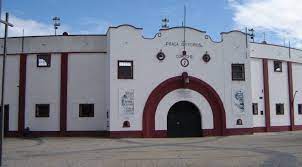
(279,109)
(86,110)
(238,72)
(278,66)
(125,69)
(255,108)
(42,110)
(43,60)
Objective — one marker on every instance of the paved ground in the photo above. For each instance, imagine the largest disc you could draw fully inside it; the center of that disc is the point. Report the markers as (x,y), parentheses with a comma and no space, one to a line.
(269,149)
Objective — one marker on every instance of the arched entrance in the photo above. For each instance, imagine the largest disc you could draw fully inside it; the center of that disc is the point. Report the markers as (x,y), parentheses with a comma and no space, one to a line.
(187,82)
(184,120)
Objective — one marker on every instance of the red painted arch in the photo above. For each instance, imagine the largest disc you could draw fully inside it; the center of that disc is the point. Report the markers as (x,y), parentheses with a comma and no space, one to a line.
(176,83)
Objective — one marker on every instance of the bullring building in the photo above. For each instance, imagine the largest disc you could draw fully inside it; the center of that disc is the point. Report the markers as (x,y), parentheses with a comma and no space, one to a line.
(121,84)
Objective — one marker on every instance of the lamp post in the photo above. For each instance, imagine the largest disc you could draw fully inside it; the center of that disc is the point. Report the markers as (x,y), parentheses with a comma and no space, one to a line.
(56,23)
(6,23)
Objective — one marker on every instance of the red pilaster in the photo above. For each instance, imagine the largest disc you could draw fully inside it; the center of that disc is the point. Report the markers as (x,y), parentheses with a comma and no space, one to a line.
(266,95)
(63,92)
(290,95)
(22,91)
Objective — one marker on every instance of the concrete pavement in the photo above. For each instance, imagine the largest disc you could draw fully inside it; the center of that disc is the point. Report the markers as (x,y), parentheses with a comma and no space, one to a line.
(265,149)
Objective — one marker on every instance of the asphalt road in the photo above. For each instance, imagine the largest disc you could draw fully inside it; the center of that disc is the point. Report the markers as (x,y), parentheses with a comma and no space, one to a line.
(265,150)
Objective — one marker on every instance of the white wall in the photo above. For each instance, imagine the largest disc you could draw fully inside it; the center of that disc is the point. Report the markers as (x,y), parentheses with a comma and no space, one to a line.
(258,91)
(126,43)
(43,87)
(297,86)
(278,89)
(57,44)
(86,84)
(11,88)
(183,95)
(276,52)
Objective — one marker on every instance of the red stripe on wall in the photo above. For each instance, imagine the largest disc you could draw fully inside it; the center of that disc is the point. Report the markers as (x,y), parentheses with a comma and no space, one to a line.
(63,92)
(22,91)
(290,94)
(266,95)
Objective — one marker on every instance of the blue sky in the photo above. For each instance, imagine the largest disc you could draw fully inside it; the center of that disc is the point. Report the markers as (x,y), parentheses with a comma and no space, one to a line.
(213,16)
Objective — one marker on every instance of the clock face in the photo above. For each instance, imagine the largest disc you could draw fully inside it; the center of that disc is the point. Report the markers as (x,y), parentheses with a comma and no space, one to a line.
(184,62)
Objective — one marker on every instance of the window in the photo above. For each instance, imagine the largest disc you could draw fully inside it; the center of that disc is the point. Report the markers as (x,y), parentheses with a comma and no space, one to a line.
(42,110)
(43,60)
(238,73)
(278,66)
(255,108)
(86,110)
(125,70)
(300,109)
(280,109)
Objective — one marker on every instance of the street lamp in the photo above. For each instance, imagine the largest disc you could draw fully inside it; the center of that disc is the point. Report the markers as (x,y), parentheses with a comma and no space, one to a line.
(6,23)
(56,23)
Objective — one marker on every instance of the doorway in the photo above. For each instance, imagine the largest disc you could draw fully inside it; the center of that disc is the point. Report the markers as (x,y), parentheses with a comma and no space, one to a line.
(184,120)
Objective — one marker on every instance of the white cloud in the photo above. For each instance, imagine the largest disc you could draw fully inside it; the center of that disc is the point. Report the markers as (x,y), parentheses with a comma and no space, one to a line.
(91,25)
(30,27)
(282,17)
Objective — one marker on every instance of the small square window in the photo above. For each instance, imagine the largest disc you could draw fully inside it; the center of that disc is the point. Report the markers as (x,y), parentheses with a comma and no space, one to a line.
(278,66)
(255,108)
(280,109)
(125,69)
(238,72)
(86,110)
(42,110)
(43,60)
(261,112)
(300,109)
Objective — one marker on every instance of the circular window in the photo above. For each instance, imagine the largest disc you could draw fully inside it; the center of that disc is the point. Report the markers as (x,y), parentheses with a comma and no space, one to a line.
(160,56)
(206,57)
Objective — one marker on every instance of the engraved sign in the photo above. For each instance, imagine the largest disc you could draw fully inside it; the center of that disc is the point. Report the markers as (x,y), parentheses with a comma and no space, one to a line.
(238,100)
(181,44)
(126,101)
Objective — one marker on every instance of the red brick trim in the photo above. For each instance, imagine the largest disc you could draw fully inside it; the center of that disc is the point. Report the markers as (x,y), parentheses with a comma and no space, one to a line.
(22,91)
(280,128)
(211,132)
(259,129)
(290,95)
(176,83)
(63,92)
(239,131)
(298,127)
(266,95)
(12,134)
(273,129)
(125,134)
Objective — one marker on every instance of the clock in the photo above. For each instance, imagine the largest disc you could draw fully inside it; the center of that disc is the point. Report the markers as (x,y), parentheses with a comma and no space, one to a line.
(184,62)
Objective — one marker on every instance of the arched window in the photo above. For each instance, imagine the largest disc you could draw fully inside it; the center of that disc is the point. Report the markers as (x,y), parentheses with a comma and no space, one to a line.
(239,122)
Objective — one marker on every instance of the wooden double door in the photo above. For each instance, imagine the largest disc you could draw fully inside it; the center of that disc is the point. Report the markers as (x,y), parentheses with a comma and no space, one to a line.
(184,120)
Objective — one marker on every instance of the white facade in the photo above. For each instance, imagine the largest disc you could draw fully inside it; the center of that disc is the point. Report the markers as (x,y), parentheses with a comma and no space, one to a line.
(91,77)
